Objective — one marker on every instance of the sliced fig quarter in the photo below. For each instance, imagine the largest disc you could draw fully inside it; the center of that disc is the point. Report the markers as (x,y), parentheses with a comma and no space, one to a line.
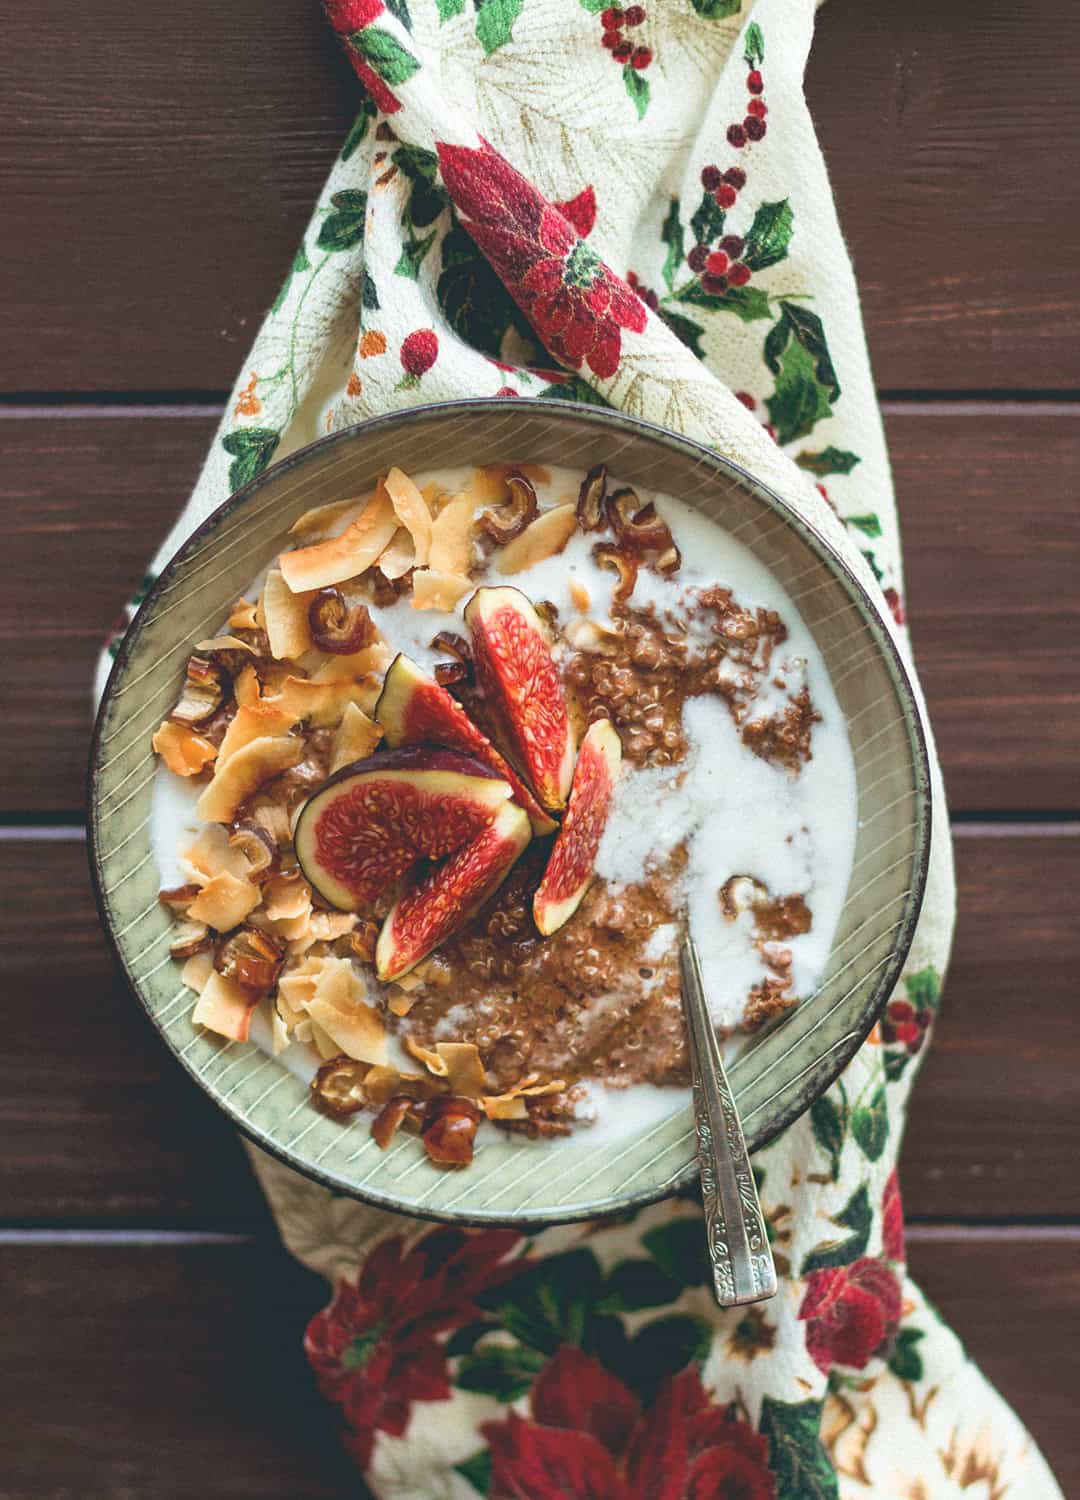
(414,709)
(573,857)
(515,668)
(432,907)
(375,819)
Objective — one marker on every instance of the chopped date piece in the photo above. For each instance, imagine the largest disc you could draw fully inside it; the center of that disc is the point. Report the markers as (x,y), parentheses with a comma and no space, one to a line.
(449,1130)
(502,523)
(250,958)
(337,627)
(338,1087)
(389,1120)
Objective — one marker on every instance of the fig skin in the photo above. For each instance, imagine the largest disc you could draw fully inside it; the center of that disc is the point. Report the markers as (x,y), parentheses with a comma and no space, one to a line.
(570,866)
(470,792)
(432,907)
(414,707)
(515,668)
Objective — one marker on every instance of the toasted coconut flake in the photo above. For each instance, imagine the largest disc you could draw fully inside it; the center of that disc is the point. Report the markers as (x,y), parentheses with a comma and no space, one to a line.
(325,519)
(372,660)
(254,721)
(451,536)
(343,556)
(321,704)
(339,1007)
(224,643)
(579,596)
(322,1040)
(246,687)
(591,636)
(197,971)
(441,591)
(225,1007)
(511,1105)
(328,926)
(243,773)
(183,751)
(338,1087)
(383,1082)
(464,1070)
(412,511)
(279,1032)
(431,1060)
(285,616)
(287,895)
(398,556)
(354,739)
(189,938)
(243,616)
(224,902)
(547,535)
(401,1002)
(212,854)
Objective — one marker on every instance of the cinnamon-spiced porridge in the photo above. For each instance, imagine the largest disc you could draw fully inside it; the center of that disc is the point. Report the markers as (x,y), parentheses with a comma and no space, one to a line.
(438,798)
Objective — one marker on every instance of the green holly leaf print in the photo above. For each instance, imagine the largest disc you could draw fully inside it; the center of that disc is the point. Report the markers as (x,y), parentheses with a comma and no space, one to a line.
(708,220)
(870,1125)
(359,127)
(769,235)
(505,1371)
(796,1453)
(495,21)
(343,227)
(550,1303)
(369,295)
(855,1215)
(685,330)
(905,1361)
(427,198)
(477,1470)
(594,7)
(252,449)
(828,1120)
(400,11)
(924,989)
(412,256)
(827,461)
(896,1061)
(634,1284)
(394,63)
(871,563)
(805,327)
(754,45)
(716,10)
(671,233)
(869,524)
(748,303)
(473,299)
(679,1249)
(300,263)
(664,1348)
(799,400)
(574,389)
(448,9)
(464,1341)
(637,86)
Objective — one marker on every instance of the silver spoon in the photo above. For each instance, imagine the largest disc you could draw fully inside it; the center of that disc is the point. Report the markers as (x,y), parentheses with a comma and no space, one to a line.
(742,1263)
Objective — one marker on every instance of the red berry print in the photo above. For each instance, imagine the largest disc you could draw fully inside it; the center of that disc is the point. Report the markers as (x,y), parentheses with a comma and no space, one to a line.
(697,257)
(612,18)
(622,52)
(896,604)
(746,399)
(717,263)
(736,136)
(754,82)
(757,107)
(634,16)
(419,352)
(641,58)
(736,178)
(711,178)
(507,390)
(733,245)
(714,285)
(755,128)
(739,274)
(725,195)
(611,40)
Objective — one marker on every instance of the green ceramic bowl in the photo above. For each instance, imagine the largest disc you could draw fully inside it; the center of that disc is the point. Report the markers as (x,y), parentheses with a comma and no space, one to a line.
(777,1075)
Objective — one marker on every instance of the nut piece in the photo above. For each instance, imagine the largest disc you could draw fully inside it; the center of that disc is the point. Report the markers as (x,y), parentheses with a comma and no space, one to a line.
(338,1087)
(250,958)
(203,691)
(592,498)
(449,1130)
(607,555)
(337,628)
(502,523)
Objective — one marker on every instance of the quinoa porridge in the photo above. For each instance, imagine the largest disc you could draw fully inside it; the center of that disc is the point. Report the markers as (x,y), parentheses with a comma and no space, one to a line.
(437,801)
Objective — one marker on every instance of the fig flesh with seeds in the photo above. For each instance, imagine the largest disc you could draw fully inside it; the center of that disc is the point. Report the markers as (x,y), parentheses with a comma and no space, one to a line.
(435,904)
(573,856)
(414,709)
(375,819)
(520,680)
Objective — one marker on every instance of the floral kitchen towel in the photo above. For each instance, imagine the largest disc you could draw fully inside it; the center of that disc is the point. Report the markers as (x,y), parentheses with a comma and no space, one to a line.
(627,206)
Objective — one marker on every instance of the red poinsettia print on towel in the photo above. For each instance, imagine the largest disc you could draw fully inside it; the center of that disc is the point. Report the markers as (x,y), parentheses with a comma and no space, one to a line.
(587,1436)
(377,1347)
(851,1312)
(576,304)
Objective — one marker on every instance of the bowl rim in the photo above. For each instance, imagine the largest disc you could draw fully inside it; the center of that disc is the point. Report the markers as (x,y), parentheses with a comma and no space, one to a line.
(824,1075)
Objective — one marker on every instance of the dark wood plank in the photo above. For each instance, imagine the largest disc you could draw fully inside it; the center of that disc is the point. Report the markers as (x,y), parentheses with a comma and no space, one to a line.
(186,1377)
(189,144)
(993,549)
(99,1123)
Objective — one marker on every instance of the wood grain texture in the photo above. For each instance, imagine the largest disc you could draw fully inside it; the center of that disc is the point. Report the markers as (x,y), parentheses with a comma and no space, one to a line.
(181,1374)
(100,1124)
(991,527)
(189,144)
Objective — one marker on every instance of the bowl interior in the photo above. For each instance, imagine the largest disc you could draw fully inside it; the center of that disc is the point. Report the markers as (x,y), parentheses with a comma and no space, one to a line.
(779,1073)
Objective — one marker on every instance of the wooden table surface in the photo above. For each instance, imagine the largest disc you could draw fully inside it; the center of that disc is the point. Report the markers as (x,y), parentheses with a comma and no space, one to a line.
(157,165)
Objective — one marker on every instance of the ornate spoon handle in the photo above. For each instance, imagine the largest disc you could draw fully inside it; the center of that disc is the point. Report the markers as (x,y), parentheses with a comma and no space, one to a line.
(742,1262)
